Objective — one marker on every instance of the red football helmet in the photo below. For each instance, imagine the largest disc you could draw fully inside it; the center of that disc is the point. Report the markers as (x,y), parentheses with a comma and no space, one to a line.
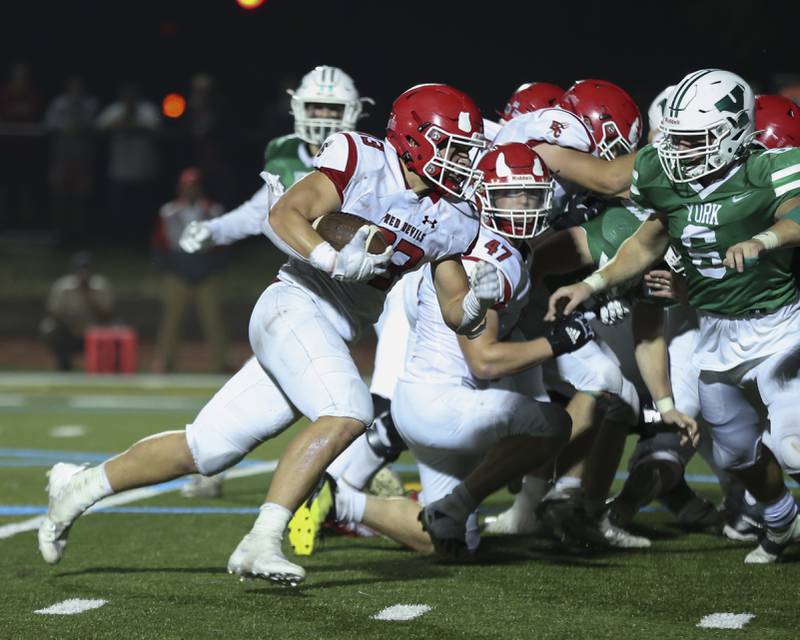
(436,131)
(516,192)
(530,97)
(777,122)
(610,114)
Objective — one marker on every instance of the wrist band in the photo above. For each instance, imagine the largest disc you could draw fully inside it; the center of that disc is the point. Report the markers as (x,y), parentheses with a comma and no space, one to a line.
(323,257)
(595,281)
(665,404)
(768,238)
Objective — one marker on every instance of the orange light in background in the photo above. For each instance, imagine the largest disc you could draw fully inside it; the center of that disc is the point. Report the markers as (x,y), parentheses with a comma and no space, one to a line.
(173,105)
(249,4)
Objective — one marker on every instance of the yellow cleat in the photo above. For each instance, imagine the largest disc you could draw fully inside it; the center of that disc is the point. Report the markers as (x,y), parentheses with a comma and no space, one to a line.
(306,523)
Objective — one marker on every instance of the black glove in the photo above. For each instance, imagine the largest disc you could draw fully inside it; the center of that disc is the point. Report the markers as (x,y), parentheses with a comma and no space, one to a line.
(569,334)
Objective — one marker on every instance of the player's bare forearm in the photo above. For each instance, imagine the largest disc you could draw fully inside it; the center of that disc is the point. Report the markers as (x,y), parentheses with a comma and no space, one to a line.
(638,253)
(291,217)
(595,174)
(788,233)
(502,359)
(452,285)
(784,234)
(489,358)
(652,356)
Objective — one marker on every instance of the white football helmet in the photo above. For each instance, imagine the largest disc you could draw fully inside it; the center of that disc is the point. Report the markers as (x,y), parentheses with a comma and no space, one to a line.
(331,87)
(656,112)
(708,124)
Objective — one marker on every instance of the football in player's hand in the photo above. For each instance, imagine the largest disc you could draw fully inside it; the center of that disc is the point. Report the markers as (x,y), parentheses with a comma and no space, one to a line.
(339,228)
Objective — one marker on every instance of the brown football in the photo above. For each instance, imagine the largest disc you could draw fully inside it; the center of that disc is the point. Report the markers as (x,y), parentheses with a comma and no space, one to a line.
(338,229)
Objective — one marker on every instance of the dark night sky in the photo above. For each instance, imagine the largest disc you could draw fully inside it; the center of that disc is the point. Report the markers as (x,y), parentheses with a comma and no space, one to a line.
(387,46)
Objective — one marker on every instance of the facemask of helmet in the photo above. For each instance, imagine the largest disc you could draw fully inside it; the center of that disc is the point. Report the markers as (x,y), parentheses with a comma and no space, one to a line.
(707,125)
(325,102)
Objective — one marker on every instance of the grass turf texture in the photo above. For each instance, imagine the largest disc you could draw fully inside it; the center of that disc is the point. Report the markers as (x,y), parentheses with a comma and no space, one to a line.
(164,574)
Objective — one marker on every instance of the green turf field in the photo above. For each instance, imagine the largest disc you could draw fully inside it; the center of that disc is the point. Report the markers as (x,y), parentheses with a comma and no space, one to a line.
(163,573)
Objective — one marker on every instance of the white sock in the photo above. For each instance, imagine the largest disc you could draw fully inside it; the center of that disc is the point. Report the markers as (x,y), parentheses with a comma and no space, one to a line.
(567,482)
(364,463)
(350,504)
(780,513)
(272,519)
(531,494)
(93,483)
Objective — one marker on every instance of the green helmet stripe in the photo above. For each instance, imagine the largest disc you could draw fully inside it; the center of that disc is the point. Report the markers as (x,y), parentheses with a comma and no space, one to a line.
(684,87)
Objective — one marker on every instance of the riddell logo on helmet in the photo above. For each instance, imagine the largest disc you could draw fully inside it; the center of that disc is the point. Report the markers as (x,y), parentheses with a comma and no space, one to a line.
(558,127)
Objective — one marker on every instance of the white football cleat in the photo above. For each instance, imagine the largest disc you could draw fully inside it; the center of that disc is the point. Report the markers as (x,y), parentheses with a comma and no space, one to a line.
(513,522)
(774,543)
(260,556)
(203,487)
(64,507)
(618,538)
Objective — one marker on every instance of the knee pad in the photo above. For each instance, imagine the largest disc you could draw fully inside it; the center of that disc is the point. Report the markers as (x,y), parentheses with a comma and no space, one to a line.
(211,451)
(383,438)
(736,456)
(789,453)
(663,444)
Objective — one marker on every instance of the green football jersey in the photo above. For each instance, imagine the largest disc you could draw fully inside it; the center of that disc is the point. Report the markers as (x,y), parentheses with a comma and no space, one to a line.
(703,222)
(288,158)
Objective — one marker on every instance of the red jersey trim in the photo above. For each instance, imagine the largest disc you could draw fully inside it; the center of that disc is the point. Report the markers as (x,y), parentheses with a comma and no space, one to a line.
(341,179)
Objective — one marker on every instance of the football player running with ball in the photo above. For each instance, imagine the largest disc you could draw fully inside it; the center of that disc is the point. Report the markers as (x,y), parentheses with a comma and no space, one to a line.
(415,184)
(325,103)
(733,213)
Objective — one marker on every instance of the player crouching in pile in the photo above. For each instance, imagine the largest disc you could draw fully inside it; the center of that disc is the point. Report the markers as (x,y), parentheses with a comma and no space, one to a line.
(473,410)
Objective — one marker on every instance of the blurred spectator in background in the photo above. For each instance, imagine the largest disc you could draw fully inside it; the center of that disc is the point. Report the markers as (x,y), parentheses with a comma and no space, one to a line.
(188,276)
(76,301)
(206,127)
(20,116)
(132,124)
(70,117)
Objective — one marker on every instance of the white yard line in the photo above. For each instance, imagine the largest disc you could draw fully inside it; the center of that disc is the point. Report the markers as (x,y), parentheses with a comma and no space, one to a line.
(401,612)
(725,620)
(134,495)
(71,607)
(16,381)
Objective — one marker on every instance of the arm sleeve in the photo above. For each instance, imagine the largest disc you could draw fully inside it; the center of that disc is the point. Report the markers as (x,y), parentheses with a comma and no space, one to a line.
(785,174)
(638,194)
(249,218)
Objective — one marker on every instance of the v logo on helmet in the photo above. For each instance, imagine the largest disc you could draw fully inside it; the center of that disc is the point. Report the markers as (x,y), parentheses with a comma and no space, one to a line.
(463,122)
(733,101)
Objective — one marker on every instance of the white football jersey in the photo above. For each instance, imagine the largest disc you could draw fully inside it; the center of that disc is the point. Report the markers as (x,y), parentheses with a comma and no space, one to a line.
(367,174)
(552,126)
(435,355)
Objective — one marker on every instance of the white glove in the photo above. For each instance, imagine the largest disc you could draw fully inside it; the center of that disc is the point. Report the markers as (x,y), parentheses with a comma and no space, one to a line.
(195,237)
(353,262)
(486,290)
(486,284)
(613,312)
